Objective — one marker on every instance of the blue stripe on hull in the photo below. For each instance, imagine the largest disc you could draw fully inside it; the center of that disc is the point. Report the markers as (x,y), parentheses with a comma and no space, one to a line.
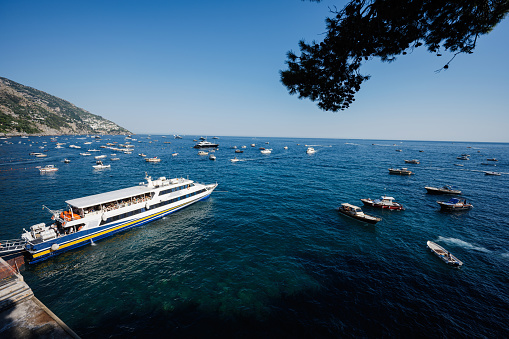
(95,230)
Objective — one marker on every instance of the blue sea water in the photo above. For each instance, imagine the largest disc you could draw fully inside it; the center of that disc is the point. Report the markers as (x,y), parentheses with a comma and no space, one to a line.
(267,255)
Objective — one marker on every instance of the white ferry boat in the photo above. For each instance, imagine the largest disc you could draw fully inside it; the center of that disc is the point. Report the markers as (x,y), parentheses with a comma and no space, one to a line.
(98,216)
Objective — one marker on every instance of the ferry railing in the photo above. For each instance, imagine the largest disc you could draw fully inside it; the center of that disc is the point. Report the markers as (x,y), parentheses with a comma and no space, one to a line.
(11,245)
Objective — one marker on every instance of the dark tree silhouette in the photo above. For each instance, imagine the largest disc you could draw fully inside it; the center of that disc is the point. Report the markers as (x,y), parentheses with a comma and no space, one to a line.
(328,71)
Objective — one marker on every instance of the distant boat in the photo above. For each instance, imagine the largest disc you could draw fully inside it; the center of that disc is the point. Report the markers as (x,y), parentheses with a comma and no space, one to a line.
(385,202)
(234,159)
(413,161)
(398,150)
(212,157)
(253,145)
(115,159)
(458,165)
(493,173)
(178,137)
(142,155)
(443,254)
(310,150)
(203,153)
(446,189)
(402,171)
(99,165)
(239,151)
(356,212)
(454,204)
(492,159)
(174,154)
(266,151)
(205,144)
(67,161)
(48,168)
(154,159)
(463,157)
(85,153)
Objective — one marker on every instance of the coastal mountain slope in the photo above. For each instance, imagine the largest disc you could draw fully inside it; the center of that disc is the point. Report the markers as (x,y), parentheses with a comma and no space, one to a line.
(26,110)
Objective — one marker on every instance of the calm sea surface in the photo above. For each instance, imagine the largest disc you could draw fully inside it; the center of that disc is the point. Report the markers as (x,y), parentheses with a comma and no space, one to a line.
(267,255)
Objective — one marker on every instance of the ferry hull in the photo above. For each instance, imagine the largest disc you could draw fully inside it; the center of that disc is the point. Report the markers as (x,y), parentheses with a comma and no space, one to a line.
(44,251)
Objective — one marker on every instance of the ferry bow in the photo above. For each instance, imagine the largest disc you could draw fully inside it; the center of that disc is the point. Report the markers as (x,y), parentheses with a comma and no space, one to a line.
(102,215)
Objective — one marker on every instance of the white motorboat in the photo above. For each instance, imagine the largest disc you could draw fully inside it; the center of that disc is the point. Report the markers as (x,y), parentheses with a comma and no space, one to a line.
(400,171)
(266,151)
(85,153)
(205,144)
(67,161)
(174,154)
(48,168)
(356,212)
(95,217)
(235,160)
(100,157)
(310,150)
(99,165)
(492,173)
(203,153)
(212,157)
(443,254)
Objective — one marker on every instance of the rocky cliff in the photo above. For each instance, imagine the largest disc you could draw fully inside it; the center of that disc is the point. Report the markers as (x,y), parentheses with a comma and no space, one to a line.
(26,110)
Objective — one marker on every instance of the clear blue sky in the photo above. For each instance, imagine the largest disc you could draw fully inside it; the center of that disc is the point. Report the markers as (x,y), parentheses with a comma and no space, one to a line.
(212,68)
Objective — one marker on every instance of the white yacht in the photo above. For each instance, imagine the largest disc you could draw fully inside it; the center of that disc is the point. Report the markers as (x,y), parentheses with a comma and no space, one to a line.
(94,217)
(266,151)
(310,150)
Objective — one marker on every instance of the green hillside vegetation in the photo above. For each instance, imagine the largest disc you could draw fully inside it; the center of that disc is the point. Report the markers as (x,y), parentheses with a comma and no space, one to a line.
(26,110)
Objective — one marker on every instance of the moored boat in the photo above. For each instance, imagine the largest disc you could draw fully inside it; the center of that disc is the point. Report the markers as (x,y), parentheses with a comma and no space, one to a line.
(454,204)
(385,202)
(443,254)
(99,165)
(413,161)
(400,171)
(98,216)
(446,189)
(212,157)
(48,168)
(154,159)
(203,153)
(356,212)
(205,144)
(266,151)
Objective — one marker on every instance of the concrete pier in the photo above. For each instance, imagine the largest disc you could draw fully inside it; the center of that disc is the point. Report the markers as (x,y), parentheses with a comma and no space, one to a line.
(22,315)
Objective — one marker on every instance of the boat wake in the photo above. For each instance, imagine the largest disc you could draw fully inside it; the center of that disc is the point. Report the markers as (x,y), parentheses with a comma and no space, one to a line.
(463,244)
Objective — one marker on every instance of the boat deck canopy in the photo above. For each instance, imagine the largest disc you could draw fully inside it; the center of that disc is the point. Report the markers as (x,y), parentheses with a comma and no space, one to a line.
(103,198)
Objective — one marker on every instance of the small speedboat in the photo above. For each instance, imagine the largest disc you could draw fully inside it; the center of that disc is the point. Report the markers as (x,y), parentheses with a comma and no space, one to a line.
(446,189)
(443,254)
(356,213)
(463,157)
(310,150)
(492,159)
(492,173)
(400,171)
(100,157)
(239,151)
(142,154)
(203,153)
(385,202)
(266,151)
(234,159)
(212,157)
(174,154)
(67,161)
(454,204)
